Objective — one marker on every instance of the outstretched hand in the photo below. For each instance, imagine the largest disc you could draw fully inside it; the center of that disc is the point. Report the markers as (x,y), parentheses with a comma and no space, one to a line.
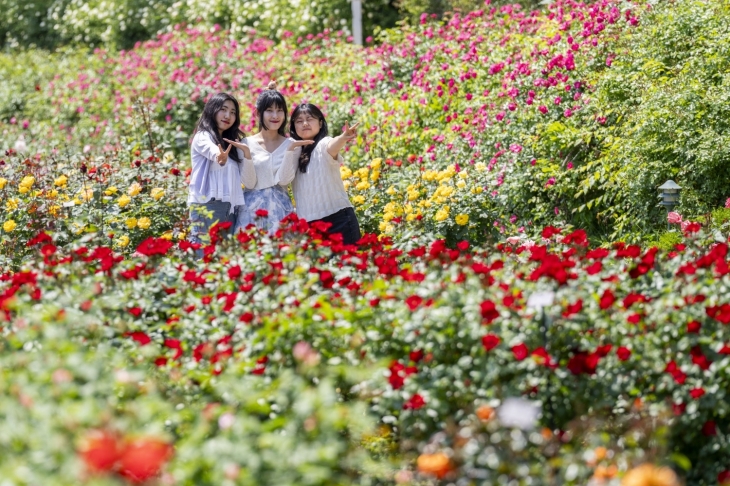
(298,143)
(349,133)
(222,157)
(239,145)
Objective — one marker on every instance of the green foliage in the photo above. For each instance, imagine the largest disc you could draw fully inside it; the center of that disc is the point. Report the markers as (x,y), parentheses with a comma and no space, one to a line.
(666,104)
(122,23)
(667,241)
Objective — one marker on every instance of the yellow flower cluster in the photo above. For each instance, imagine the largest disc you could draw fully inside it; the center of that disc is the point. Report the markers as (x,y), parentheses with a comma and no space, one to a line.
(60,181)
(26,184)
(3,182)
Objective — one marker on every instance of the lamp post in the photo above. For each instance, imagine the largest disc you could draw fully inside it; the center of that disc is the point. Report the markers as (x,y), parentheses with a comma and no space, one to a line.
(670,195)
(357,21)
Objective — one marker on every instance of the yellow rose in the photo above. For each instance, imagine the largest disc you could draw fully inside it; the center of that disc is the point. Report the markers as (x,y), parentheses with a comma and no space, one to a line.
(358,200)
(461,184)
(11,204)
(345,172)
(3,182)
(463,174)
(387,217)
(362,186)
(144,222)
(375,163)
(346,184)
(375,175)
(412,216)
(124,200)
(123,241)
(442,214)
(87,194)
(181,235)
(53,210)
(168,157)
(9,226)
(27,181)
(167,235)
(461,219)
(480,166)
(134,189)
(110,191)
(23,189)
(157,193)
(60,181)
(477,190)
(52,193)
(391,191)
(131,223)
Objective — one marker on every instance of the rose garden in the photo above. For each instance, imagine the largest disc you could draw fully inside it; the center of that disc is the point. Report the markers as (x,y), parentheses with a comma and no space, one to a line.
(521,309)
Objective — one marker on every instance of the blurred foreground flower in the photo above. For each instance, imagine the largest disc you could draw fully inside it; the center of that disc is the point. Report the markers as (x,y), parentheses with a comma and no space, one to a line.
(650,475)
(518,413)
(437,464)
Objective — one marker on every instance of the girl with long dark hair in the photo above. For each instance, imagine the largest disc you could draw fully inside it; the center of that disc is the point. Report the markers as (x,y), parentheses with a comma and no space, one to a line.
(214,193)
(318,188)
(268,202)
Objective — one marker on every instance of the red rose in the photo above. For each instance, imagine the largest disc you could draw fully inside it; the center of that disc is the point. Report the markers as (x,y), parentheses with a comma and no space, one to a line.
(520,351)
(693,327)
(262,213)
(489,311)
(709,428)
(413,302)
(100,450)
(143,459)
(490,341)
(696,393)
(723,478)
(414,403)
(607,299)
(154,246)
(623,353)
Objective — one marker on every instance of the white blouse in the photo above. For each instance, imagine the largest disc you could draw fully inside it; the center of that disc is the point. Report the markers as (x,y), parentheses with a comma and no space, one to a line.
(224,181)
(320,191)
(272,168)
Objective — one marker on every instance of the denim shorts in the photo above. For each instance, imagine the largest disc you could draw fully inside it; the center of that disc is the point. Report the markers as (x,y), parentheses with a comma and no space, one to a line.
(203,216)
(344,222)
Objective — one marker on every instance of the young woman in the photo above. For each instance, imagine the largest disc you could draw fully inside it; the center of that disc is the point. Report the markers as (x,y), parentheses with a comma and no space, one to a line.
(214,193)
(318,189)
(273,173)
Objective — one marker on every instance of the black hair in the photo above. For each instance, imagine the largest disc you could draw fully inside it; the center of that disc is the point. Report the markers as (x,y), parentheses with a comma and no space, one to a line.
(207,122)
(308,109)
(267,99)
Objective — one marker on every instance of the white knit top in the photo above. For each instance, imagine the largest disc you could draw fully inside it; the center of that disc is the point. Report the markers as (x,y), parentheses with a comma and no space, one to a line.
(272,168)
(224,181)
(320,191)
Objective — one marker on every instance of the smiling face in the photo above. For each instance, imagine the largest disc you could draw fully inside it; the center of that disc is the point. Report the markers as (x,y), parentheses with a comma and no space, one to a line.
(274,117)
(307,126)
(226,116)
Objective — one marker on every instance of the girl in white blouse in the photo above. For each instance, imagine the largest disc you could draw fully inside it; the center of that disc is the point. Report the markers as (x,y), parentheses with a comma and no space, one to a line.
(214,193)
(318,188)
(267,201)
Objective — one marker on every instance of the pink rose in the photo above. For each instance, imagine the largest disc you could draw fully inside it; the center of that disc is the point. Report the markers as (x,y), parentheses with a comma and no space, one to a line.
(727,203)
(674,218)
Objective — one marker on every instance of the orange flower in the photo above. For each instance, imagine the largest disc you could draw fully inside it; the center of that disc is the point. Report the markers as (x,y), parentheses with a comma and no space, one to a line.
(437,464)
(650,475)
(485,413)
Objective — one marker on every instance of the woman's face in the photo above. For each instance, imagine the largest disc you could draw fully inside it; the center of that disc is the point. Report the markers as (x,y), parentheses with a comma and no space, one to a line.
(273,118)
(226,116)
(307,126)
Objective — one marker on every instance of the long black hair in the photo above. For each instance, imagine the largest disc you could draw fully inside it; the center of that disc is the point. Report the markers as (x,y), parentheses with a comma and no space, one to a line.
(207,122)
(271,97)
(312,110)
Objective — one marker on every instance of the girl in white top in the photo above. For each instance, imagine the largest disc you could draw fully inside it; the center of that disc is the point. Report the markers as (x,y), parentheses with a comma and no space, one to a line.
(318,188)
(267,201)
(214,193)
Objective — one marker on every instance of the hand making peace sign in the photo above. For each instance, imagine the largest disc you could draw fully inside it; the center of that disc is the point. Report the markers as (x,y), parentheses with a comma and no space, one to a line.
(222,156)
(242,146)
(349,133)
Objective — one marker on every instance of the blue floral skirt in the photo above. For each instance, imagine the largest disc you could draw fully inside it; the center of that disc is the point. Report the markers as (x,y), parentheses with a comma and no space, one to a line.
(273,200)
